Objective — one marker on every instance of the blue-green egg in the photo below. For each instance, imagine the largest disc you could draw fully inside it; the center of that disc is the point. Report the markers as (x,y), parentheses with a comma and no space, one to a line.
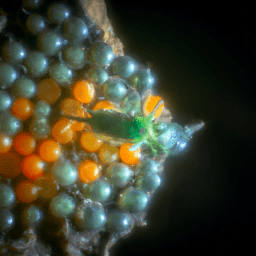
(8,75)
(62,205)
(131,102)
(118,221)
(7,196)
(119,174)
(5,100)
(32,4)
(133,200)
(123,66)
(40,127)
(90,217)
(147,166)
(32,215)
(100,54)
(24,87)
(61,73)
(58,12)
(97,75)
(148,182)
(36,23)
(64,172)
(42,109)
(13,52)
(10,124)
(6,220)
(114,89)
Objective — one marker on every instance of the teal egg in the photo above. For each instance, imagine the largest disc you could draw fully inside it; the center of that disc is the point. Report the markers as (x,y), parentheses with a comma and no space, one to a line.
(32,4)
(119,174)
(98,191)
(64,172)
(36,64)
(42,109)
(90,217)
(7,196)
(24,87)
(148,183)
(7,75)
(62,205)
(133,200)
(40,128)
(36,24)
(100,54)
(147,166)
(74,29)
(49,42)
(6,220)
(123,66)
(32,215)
(5,100)
(97,75)
(118,221)
(58,12)
(114,89)
(61,73)
(10,124)
(74,56)
(13,52)
(131,102)
(141,80)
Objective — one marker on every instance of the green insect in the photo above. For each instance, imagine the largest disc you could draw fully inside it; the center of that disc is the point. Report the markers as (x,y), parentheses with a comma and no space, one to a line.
(141,130)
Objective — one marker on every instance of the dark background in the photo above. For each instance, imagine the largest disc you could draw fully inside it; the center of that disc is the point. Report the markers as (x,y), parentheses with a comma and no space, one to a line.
(203,59)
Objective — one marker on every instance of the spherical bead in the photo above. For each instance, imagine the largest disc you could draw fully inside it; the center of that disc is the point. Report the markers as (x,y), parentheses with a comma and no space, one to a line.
(131,102)
(7,75)
(32,215)
(26,191)
(24,87)
(37,64)
(74,29)
(148,183)
(7,196)
(6,220)
(57,13)
(118,221)
(89,142)
(151,103)
(74,57)
(127,156)
(13,52)
(84,91)
(5,100)
(10,124)
(31,4)
(33,166)
(49,91)
(98,191)
(62,205)
(119,174)
(141,80)
(90,217)
(123,66)
(61,73)
(40,128)
(114,89)
(148,166)
(97,75)
(24,143)
(88,171)
(133,200)
(65,172)
(49,150)
(36,24)
(10,165)
(62,132)
(5,143)
(100,54)
(108,153)
(49,42)
(22,108)
(47,186)
(42,109)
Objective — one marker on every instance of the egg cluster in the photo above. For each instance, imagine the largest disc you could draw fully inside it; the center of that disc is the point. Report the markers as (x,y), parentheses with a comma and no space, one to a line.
(44,156)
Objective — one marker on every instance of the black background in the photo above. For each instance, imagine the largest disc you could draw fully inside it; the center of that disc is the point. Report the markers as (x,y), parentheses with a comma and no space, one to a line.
(202,56)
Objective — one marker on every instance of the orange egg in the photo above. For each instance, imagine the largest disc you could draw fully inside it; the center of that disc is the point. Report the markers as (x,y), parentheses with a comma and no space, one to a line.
(22,108)
(33,166)
(88,171)
(26,191)
(84,91)
(89,142)
(49,150)
(129,157)
(62,131)
(24,143)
